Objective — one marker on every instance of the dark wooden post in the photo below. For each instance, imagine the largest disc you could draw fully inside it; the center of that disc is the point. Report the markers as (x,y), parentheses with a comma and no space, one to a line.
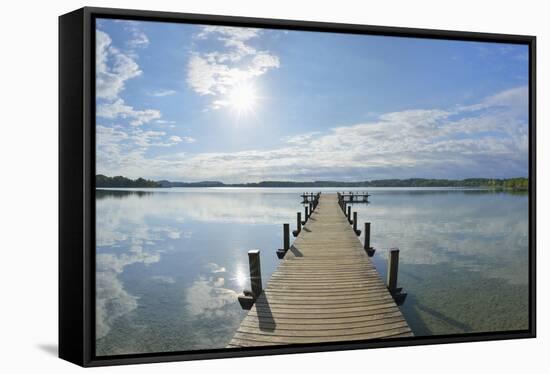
(349,214)
(366,246)
(311,208)
(298,224)
(357,232)
(248,297)
(286,241)
(393,266)
(306,215)
(255,272)
(286,236)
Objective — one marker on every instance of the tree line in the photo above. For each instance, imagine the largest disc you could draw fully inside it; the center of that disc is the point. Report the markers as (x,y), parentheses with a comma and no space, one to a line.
(492,183)
(123,182)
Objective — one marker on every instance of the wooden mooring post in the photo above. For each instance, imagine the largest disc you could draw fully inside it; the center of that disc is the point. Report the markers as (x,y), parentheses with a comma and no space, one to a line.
(298,224)
(248,297)
(306,215)
(286,241)
(366,246)
(393,267)
(349,214)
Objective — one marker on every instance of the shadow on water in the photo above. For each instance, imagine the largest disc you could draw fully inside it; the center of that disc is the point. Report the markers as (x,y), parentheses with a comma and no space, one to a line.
(442,317)
(265,317)
(416,321)
(411,275)
(445,299)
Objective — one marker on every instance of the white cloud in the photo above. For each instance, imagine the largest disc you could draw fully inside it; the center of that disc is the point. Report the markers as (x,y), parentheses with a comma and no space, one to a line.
(514,99)
(139,39)
(162,93)
(414,143)
(113,68)
(216,73)
(118,109)
(175,139)
(178,139)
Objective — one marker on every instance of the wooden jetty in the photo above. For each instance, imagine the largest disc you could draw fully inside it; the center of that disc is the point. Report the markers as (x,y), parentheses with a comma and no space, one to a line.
(326,288)
(353,197)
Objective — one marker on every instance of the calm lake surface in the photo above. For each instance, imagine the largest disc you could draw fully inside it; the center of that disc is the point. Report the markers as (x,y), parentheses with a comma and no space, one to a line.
(170,262)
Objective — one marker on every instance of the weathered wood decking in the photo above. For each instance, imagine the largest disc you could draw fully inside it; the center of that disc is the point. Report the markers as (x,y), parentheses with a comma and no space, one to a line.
(326,289)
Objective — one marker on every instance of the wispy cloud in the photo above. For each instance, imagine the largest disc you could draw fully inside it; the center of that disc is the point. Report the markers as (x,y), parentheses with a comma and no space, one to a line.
(139,38)
(162,93)
(186,139)
(216,73)
(118,109)
(113,68)
(465,141)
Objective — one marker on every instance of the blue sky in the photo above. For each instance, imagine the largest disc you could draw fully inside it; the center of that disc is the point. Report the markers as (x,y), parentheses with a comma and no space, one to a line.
(195,102)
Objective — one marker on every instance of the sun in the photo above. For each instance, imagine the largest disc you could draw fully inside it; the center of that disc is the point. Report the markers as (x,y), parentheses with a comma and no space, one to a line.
(243,98)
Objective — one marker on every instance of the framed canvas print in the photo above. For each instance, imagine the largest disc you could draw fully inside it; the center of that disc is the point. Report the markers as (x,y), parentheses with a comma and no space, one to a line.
(236,186)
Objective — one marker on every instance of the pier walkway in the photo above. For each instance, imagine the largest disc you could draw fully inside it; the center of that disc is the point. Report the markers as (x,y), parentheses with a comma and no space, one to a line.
(326,289)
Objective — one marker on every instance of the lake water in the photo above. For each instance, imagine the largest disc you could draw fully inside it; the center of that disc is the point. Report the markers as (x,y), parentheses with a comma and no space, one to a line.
(170,262)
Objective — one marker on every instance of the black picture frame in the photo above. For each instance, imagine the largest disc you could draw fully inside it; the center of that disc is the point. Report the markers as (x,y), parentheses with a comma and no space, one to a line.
(77,190)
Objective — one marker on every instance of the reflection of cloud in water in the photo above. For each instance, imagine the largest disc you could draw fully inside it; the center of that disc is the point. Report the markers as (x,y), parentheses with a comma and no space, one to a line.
(163,279)
(112,301)
(124,229)
(219,282)
(215,268)
(488,234)
(207,297)
(251,207)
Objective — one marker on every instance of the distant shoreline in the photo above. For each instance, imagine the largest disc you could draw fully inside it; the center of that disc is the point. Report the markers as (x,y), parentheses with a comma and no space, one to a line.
(516,184)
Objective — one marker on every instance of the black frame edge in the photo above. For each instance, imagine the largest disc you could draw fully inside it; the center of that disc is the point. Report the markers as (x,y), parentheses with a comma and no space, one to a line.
(71,263)
(411,32)
(533,185)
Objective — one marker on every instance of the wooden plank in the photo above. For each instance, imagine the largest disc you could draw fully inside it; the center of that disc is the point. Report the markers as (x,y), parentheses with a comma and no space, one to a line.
(326,323)
(276,314)
(394,324)
(326,289)
(247,339)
